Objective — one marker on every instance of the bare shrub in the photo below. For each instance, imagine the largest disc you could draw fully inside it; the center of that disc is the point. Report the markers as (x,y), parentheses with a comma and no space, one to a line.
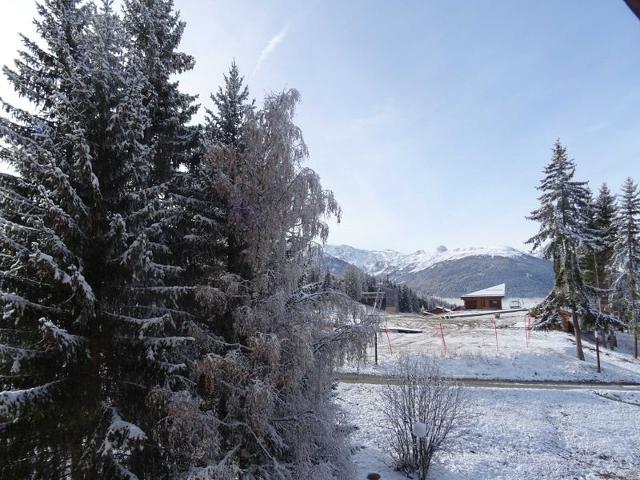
(422,409)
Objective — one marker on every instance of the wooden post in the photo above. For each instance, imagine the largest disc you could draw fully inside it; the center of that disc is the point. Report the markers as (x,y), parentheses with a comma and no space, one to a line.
(598,350)
(375,344)
(388,339)
(495,329)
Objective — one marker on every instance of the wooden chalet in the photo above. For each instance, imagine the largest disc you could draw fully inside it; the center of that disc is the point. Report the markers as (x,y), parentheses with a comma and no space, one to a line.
(487,299)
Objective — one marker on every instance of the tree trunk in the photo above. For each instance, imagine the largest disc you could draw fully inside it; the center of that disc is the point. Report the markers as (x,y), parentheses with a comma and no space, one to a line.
(578,334)
(76,457)
(634,314)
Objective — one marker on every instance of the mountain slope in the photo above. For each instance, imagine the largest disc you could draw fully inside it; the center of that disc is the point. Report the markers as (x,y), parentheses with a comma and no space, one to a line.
(451,273)
(335,265)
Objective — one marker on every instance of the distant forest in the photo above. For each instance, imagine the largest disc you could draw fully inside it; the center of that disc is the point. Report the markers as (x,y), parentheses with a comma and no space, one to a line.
(354,282)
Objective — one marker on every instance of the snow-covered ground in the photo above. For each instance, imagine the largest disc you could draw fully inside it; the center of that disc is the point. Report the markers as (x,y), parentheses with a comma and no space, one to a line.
(517,434)
(472,351)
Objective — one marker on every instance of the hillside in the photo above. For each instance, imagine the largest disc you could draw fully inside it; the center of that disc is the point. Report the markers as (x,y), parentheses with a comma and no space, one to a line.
(450,273)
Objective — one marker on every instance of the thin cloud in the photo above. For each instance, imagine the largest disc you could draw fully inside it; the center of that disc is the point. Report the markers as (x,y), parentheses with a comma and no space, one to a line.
(272,44)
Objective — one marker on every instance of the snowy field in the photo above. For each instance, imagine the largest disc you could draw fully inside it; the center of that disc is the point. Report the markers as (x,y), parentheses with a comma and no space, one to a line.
(515,434)
(471,350)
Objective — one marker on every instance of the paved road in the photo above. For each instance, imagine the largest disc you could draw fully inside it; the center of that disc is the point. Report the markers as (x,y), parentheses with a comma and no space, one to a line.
(482,383)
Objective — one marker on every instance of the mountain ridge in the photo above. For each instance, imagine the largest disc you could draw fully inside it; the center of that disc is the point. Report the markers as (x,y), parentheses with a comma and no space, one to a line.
(451,273)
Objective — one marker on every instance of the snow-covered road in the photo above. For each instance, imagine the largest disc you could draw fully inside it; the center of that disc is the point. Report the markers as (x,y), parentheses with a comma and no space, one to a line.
(364,378)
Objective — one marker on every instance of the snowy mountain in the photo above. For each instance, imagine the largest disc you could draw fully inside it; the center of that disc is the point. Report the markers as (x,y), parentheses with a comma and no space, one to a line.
(450,273)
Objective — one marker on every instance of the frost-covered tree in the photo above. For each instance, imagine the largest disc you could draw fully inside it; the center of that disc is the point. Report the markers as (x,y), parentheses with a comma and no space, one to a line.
(275,339)
(156,32)
(223,131)
(92,351)
(159,322)
(563,231)
(327,281)
(625,265)
(598,254)
(353,282)
(223,126)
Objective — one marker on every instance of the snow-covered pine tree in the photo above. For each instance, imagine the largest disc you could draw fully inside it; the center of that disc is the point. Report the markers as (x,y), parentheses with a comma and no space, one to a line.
(353,282)
(597,256)
(625,265)
(42,281)
(206,243)
(156,31)
(90,356)
(223,126)
(586,251)
(275,339)
(404,301)
(563,231)
(327,281)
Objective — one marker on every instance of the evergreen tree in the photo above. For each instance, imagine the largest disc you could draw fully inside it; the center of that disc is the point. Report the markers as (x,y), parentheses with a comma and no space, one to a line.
(224,125)
(159,323)
(353,283)
(224,133)
(586,251)
(91,353)
(563,231)
(404,302)
(327,281)
(156,32)
(371,283)
(598,258)
(625,269)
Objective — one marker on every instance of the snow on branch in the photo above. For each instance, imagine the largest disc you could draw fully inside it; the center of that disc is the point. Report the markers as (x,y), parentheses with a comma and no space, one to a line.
(146,325)
(16,355)
(157,343)
(47,261)
(121,438)
(61,340)
(15,303)
(13,401)
(121,434)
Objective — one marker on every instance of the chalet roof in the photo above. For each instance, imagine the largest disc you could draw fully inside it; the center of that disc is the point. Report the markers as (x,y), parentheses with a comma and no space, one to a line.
(495,291)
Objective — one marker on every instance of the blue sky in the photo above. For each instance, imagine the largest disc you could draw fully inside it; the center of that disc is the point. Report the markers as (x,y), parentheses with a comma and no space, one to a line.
(430,120)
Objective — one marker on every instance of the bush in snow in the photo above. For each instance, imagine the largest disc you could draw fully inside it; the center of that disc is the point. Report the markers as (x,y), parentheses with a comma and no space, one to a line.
(421,411)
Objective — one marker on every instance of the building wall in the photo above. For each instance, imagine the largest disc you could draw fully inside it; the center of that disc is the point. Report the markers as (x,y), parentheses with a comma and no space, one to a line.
(483,303)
